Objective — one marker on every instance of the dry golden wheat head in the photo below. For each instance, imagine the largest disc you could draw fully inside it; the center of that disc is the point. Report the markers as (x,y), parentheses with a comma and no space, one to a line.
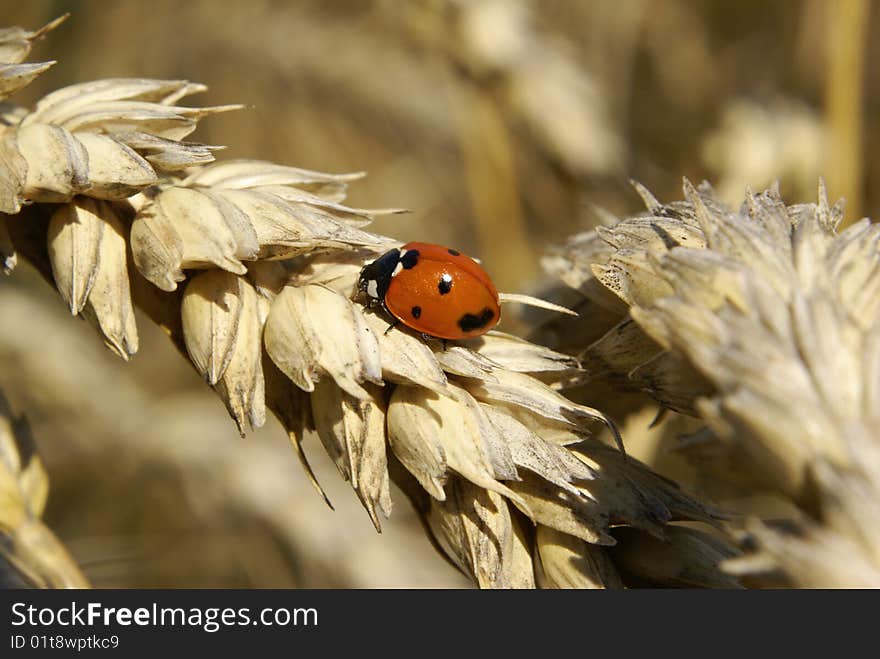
(30,554)
(251,266)
(765,323)
(498,45)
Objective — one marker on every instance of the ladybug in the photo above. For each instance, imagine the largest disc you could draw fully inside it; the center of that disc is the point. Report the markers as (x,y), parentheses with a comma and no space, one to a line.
(434,290)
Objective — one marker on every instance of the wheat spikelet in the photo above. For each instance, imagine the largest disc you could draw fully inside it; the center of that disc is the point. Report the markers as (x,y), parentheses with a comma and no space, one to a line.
(764,323)
(15,45)
(250,267)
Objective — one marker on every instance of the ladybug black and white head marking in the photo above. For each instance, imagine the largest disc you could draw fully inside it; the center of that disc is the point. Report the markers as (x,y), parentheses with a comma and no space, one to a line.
(375,277)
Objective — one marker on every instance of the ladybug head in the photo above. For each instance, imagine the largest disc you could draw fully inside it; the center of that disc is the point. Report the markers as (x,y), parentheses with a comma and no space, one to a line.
(375,277)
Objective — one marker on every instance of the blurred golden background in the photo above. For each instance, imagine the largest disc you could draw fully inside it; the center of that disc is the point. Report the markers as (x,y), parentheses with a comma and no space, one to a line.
(501,124)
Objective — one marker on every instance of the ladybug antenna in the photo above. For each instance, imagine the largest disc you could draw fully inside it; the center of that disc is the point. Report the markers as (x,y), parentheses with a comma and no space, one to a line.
(534,302)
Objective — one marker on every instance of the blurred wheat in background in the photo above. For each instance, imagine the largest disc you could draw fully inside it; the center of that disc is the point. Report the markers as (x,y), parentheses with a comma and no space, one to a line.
(733,335)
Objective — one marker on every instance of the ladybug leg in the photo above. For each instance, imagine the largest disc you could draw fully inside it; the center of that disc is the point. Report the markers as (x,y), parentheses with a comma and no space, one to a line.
(391,326)
(428,337)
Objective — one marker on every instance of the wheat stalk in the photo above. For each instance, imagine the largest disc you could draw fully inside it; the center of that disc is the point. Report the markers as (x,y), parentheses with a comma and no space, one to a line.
(30,554)
(250,267)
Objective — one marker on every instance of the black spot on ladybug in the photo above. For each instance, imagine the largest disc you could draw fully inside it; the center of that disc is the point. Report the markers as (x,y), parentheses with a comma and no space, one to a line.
(469,322)
(416,312)
(454,252)
(445,284)
(409,259)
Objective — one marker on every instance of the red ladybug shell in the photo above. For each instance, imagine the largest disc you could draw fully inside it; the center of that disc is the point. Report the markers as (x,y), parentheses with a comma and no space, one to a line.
(443,294)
